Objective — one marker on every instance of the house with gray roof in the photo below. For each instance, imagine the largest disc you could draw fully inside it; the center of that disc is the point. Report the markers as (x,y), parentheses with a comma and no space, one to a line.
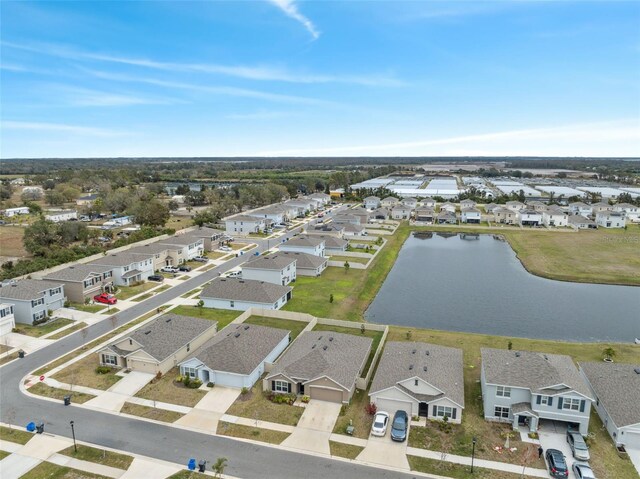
(372,202)
(210,236)
(163,255)
(346,218)
(580,208)
(470,215)
(610,219)
(447,217)
(401,212)
(525,387)
(243,225)
(323,365)
(506,216)
(188,246)
(159,345)
(616,389)
(331,228)
(380,214)
(579,222)
(32,298)
(333,244)
(421,379)
(128,268)
(83,281)
(389,202)
(424,215)
(307,264)
(273,214)
(310,244)
(354,230)
(237,356)
(242,294)
(275,268)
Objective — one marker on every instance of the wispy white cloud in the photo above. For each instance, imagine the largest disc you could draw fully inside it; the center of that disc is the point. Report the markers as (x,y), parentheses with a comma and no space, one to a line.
(60,128)
(84,97)
(262,115)
(290,8)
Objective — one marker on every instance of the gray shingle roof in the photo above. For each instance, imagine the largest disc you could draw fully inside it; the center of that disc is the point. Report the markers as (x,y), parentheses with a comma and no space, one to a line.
(181,240)
(372,198)
(617,387)
(247,218)
(203,232)
(123,258)
(78,272)
(578,219)
(325,353)
(164,336)
(305,260)
(276,261)
(351,228)
(131,273)
(305,241)
(470,210)
(531,370)
(326,228)
(152,248)
(239,348)
(444,368)
(333,242)
(27,289)
(234,289)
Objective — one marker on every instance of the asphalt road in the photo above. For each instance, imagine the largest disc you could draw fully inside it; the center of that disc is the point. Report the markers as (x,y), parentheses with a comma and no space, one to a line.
(168,443)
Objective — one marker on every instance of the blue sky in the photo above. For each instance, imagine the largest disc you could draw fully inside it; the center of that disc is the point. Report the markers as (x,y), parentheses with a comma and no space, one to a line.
(320,78)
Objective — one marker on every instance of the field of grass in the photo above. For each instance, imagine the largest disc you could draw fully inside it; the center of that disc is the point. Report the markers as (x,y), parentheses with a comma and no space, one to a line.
(295,327)
(99,456)
(349,259)
(68,331)
(188,475)
(142,297)
(375,335)
(223,316)
(457,471)
(215,254)
(126,292)
(83,373)
(150,412)
(88,308)
(41,389)
(255,405)
(11,241)
(248,432)
(167,390)
(41,329)
(15,435)
(344,450)
(191,293)
(178,222)
(48,470)
(4,454)
(356,415)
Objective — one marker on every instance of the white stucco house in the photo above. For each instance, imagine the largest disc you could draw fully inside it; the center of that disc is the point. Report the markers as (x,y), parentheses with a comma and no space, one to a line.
(32,299)
(421,379)
(311,244)
(580,208)
(7,319)
(470,215)
(530,217)
(555,217)
(631,212)
(578,222)
(60,216)
(242,294)
(371,202)
(610,219)
(401,212)
(237,356)
(307,264)
(274,268)
(128,268)
(242,225)
(188,246)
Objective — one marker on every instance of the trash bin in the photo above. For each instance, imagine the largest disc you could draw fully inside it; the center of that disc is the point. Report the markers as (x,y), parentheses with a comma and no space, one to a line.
(40,428)
(21,354)
(202,465)
(67,400)
(191,464)
(31,426)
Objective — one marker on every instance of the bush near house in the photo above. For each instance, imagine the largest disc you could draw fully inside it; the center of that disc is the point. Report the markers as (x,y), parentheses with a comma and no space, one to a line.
(281,398)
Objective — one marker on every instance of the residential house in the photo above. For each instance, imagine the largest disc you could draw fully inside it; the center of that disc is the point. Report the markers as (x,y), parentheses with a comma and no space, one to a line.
(470,215)
(272,214)
(87,200)
(324,198)
(429,202)
(32,299)
(128,268)
(506,216)
(580,208)
(411,203)
(188,246)
(515,205)
(323,365)
(380,214)
(578,222)
(354,230)
(211,237)
(446,217)
(163,255)
(296,209)
(331,228)
(307,264)
(372,202)
(401,212)
(467,204)
(530,217)
(424,215)
(116,222)
(333,244)
(242,294)
(554,216)
(421,379)
(389,202)
(491,207)
(242,225)
(275,268)
(7,318)
(60,216)
(306,205)
(525,387)
(536,205)
(311,244)
(600,206)
(20,210)
(610,219)
(237,356)
(362,214)
(18,181)
(346,218)
(450,207)
(631,212)
(83,281)
(616,389)
(159,345)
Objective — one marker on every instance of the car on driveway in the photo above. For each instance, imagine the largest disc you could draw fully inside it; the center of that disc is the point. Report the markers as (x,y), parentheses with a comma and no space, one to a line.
(380,423)
(156,277)
(201,259)
(225,248)
(169,269)
(399,426)
(578,446)
(556,464)
(105,298)
(583,471)
(184,267)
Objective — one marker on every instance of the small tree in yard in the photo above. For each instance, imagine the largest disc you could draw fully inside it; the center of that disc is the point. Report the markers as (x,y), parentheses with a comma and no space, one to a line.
(331,298)
(219,466)
(362,329)
(346,266)
(608,353)
(409,334)
(200,305)
(510,345)
(528,456)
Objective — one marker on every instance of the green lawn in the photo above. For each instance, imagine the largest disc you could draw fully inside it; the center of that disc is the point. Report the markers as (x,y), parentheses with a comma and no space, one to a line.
(248,432)
(41,389)
(458,471)
(88,308)
(99,456)
(223,316)
(255,405)
(142,297)
(188,475)
(126,292)
(83,373)
(68,331)
(355,414)
(349,259)
(41,329)
(191,293)
(344,450)
(4,454)
(19,436)
(150,412)
(47,470)
(167,390)
(295,327)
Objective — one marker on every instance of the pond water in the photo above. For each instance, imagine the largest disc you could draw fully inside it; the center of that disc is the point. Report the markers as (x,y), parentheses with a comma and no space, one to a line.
(475,283)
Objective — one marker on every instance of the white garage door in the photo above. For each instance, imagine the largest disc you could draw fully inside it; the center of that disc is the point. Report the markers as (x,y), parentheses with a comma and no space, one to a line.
(631,439)
(392,405)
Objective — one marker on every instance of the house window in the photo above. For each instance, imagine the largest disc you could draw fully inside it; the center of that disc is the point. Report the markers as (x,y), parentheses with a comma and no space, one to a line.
(415,382)
(126,268)
(109,359)
(281,386)
(503,391)
(37,302)
(191,372)
(544,400)
(571,404)
(502,412)
(442,411)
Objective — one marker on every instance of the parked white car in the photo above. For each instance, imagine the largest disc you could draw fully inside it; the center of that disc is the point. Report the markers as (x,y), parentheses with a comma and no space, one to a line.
(169,269)
(233,274)
(380,423)
(225,248)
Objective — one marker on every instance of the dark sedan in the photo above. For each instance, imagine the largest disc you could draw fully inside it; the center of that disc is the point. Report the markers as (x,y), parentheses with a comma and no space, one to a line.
(399,426)
(556,464)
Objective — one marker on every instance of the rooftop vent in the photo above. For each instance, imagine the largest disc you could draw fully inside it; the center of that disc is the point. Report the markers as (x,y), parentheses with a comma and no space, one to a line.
(517,354)
(237,335)
(313,347)
(330,338)
(424,368)
(246,327)
(636,370)
(410,367)
(324,348)
(427,353)
(147,332)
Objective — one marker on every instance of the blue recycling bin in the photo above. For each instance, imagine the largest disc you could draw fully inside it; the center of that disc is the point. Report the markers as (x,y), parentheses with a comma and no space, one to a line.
(31,427)
(191,465)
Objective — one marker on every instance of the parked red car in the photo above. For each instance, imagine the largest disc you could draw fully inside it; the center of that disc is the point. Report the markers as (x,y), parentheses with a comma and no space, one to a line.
(105,298)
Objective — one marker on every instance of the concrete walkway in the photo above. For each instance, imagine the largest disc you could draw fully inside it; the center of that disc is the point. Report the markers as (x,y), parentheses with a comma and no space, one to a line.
(147,468)
(206,414)
(384,451)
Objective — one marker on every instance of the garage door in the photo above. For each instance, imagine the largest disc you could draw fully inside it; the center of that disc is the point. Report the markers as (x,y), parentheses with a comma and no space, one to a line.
(631,439)
(393,405)
(324,394)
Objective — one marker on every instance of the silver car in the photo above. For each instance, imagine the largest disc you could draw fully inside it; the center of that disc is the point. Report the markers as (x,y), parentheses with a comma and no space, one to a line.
(582,471)
(380,423)
(578,446)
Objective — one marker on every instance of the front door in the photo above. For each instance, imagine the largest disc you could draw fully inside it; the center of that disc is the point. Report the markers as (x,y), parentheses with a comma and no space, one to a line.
(300,388)
(423,409)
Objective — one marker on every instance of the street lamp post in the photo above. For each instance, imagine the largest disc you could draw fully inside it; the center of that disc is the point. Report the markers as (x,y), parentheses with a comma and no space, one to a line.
(73,434)
(473,452)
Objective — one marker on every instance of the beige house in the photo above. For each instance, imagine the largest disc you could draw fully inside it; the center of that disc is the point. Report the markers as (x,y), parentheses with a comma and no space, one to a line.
(159,345)
(210,236)
(323,365)
(83,281)
(163,255)
(506,216)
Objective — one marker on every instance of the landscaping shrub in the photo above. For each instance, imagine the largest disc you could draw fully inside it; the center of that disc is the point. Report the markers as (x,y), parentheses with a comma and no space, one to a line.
(281,398)
(343,410)
(305,399)
(103,370)
(194,384)
(244,391)
(371,408)
(158,376)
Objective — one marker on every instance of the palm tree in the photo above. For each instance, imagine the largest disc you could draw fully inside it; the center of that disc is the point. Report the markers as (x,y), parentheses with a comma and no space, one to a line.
(608,353)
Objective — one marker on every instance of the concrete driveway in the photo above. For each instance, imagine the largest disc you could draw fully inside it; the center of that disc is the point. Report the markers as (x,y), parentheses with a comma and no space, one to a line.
(206,414)
(384,451)
(552,435)
(315,426)
(634,455)
(131,383)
